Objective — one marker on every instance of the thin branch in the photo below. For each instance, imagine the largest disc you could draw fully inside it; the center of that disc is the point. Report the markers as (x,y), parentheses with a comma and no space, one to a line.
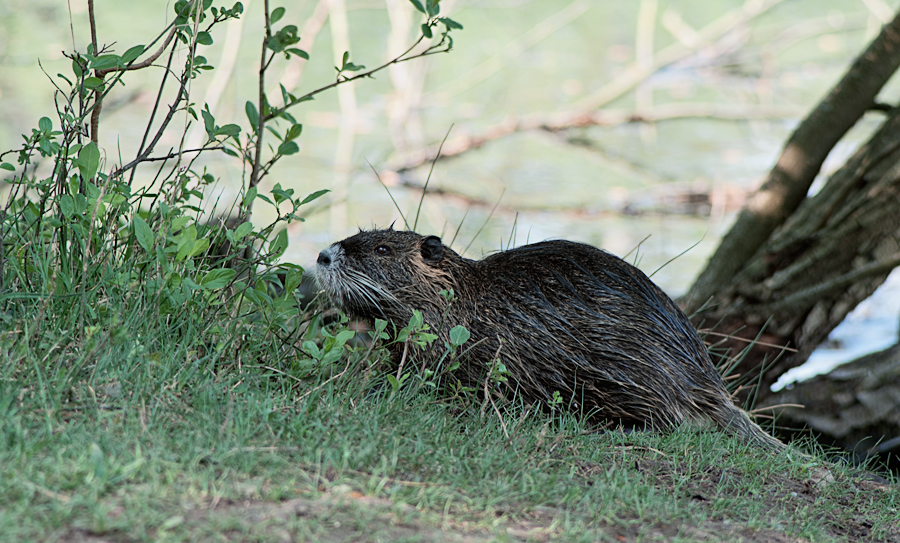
(261,118)
(101,74)
(162,86)
(173,107)
(562,121)
(98,98)
(433,50)
(145,63)
(169,156)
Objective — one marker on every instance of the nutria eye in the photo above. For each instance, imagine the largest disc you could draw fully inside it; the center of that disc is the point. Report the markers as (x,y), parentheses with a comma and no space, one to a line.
(382,250)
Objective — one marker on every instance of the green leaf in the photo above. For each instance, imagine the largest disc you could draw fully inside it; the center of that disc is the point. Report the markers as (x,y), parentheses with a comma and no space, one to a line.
(209,123)
(80,203)
(143,233)
(332,356)
(204,38)
(416,320)
(92,83)
(345,59)
(292,279)
(229,130)
(251,195)
(88,161)
(343,337)
(180,222)
(276,16)
(279,244)
(450,23)
(252,115)
(185,242)
(216,279)
(200,246)
(288,148)
(418,5)
(243,230)
(45,125)
(105,61)
(132,53)
(426,31)
(432,7)
(313,196)
(7,166)
(67,206)
(350,67)
(459,335)
(299,52)
(294,132)
(285,95)
(395,384)
(312,350)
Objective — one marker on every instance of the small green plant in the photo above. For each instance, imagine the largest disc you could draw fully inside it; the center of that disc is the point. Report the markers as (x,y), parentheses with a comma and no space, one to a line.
(82,243)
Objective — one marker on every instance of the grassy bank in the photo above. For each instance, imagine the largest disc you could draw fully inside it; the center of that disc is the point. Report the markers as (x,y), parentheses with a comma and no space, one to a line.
(143,438)
(160,380)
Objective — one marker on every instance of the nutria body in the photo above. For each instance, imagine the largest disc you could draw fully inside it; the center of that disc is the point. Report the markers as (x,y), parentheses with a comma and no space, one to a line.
(566,317)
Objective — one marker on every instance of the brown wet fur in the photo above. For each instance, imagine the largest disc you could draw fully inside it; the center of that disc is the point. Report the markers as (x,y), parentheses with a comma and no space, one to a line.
(572,318)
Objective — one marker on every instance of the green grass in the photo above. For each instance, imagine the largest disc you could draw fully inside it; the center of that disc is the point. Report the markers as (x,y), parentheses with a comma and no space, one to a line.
(143,438)
(149,394)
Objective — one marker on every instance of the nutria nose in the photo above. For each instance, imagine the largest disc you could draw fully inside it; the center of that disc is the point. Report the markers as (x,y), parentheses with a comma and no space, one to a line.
(324,259)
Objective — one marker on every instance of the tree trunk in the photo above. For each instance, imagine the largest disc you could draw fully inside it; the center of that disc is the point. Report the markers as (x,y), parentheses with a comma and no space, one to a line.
(833,252)
(787,184)
(794,266)
(856,407)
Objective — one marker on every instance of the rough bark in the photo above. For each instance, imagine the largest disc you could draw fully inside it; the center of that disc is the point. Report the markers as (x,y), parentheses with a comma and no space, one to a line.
(850,407)
(832,253)
(786,186)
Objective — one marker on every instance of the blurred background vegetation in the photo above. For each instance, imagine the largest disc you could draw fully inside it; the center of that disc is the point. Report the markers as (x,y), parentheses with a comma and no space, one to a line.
(695,101)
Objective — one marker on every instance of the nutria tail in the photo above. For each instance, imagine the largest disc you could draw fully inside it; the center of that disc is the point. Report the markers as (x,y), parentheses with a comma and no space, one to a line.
(740,424)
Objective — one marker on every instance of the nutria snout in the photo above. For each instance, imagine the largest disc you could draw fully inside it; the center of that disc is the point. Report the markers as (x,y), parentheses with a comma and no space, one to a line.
(565,318)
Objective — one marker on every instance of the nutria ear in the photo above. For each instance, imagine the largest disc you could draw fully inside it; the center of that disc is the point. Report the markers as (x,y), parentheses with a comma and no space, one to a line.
(432,249)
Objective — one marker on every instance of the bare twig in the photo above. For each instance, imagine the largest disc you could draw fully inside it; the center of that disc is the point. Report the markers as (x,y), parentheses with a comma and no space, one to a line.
(162,85)
(98,96)
(402,359)
(167,156)
(584,112)
(607,117)
(428,179)
(262,118)
(487,393)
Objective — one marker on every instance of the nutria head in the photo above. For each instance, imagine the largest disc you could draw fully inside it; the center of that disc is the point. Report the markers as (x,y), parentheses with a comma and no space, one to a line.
(386,274)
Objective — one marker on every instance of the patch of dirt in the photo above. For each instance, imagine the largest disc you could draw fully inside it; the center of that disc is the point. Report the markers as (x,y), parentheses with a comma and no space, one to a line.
(334,517)
(782,495)
(342,514)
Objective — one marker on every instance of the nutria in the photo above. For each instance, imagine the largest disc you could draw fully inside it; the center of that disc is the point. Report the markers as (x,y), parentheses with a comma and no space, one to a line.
(565,317)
